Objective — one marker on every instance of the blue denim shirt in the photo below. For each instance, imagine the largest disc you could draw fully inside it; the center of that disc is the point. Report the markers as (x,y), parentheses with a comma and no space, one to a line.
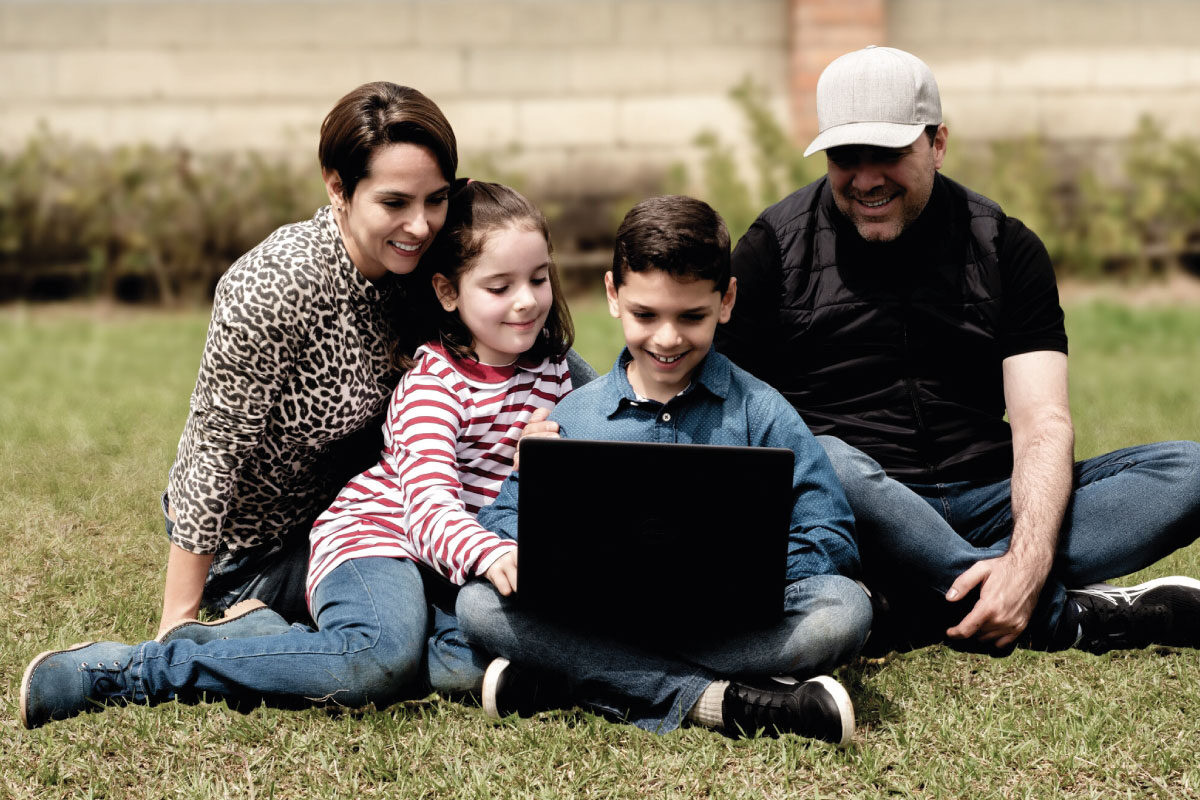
(724,405)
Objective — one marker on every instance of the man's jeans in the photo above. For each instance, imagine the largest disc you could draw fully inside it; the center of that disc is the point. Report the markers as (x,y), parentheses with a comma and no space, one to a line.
(370,647)
(826,619)
(1129,509)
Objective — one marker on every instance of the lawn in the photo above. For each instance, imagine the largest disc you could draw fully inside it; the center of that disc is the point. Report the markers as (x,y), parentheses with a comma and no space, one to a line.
(91,405)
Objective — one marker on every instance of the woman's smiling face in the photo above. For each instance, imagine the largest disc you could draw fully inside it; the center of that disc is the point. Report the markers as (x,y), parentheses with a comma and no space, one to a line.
(395,212)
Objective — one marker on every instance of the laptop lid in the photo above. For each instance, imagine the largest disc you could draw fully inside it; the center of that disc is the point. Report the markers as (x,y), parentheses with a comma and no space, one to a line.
(654,539)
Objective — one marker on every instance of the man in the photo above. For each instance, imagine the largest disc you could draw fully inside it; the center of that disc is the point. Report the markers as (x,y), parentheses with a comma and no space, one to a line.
(903,315)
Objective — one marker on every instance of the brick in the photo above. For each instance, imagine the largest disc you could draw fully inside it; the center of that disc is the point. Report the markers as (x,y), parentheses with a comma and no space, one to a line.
(720,68)
(338,25)
(28,74)
(61,24)
(659,22)
(617,69)
(113,75)
(566,122)
(980,74)
(1046,69)
(517,71)
(761,22)
(162,24)
(1148,68)
(677,119)
(482,125)
(559,23)
(437,71)
(458,22)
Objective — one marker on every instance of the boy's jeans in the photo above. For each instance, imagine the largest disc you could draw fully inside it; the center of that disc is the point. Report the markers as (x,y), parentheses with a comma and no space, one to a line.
(826,619)
(1128,510)
(371,646)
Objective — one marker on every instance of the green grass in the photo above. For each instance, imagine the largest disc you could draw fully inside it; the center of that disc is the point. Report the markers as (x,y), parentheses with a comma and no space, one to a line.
(91,405)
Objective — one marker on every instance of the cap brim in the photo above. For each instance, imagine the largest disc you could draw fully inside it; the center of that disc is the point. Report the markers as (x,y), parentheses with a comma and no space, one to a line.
(875,134)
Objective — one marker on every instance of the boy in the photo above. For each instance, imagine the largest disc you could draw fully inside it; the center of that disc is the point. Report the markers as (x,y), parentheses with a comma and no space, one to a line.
(670,286)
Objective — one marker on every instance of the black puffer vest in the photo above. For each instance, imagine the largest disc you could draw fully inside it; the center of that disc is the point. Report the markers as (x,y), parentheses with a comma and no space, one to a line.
(895,348)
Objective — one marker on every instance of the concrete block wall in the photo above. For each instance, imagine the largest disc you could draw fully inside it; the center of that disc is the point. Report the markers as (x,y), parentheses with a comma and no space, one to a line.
(598,91)
(606,86)
(1075,70)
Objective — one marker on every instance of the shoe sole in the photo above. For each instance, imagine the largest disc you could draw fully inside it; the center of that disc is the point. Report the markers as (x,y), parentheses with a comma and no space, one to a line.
(28,676)
(844,705)
(234,612)
(1104,590)
(491,680)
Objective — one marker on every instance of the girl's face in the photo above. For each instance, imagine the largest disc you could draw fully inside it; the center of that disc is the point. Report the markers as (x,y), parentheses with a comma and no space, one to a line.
(505,297)
(395,212)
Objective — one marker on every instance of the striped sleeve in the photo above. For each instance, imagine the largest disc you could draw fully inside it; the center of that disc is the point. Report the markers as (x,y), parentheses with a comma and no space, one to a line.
(425,423)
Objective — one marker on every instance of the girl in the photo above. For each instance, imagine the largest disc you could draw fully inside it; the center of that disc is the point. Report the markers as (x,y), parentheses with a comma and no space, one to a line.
(450,439)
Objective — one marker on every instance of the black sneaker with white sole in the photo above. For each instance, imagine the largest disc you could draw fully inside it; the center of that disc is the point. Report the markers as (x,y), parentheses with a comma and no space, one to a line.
(513,689)
(818,708)
(1164,611)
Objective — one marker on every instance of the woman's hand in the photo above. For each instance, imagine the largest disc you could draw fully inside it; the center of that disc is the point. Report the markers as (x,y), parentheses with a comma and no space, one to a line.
(537,427)
(503,573)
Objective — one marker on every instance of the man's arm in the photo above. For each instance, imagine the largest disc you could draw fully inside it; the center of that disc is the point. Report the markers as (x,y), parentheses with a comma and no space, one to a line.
(1035,392)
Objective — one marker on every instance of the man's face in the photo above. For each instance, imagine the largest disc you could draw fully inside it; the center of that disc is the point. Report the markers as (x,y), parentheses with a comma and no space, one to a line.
(883,190)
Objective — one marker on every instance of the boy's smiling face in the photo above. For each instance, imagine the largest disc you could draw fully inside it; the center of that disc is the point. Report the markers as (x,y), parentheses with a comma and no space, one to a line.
(669,326)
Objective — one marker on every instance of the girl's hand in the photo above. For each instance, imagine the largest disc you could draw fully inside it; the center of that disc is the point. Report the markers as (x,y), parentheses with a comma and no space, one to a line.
(503,573)
(538,426)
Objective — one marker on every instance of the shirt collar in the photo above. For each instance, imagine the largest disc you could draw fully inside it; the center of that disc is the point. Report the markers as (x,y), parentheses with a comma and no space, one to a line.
(713,375)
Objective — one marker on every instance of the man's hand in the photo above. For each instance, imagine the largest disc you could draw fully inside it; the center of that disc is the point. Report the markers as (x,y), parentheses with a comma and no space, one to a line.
(538,427)
(503,573)
(1008,592)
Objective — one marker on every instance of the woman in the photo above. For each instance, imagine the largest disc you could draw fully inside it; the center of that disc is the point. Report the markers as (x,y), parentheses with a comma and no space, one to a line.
(310,332)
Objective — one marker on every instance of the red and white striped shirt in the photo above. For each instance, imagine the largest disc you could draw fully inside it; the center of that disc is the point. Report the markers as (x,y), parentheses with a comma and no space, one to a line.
(449,439)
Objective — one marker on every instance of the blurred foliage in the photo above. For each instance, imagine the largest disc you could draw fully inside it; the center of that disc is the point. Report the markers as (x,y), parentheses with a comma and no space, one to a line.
(1142,220)
(170,219)
(167,222)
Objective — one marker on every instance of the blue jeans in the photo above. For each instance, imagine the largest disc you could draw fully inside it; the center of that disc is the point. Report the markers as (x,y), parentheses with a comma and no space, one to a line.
(370,646)
(826,619)
(1129,508)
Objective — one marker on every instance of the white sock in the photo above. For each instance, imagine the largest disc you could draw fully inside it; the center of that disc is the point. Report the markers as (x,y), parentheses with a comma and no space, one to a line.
(708,709)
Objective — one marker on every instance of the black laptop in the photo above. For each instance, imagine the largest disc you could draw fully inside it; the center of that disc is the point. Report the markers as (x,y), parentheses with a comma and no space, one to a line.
(669,541)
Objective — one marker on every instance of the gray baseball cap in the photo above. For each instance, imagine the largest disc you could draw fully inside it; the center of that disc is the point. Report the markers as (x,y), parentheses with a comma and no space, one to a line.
(877,96)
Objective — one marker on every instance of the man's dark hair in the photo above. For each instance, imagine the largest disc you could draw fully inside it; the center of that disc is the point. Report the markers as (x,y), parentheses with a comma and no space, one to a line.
(679,235)
(931,132)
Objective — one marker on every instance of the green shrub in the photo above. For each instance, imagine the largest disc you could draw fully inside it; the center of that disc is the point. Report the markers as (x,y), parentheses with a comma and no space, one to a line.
(169,217)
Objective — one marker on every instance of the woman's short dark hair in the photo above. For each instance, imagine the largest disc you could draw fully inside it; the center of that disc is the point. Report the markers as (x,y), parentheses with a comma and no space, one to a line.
(679,235)
(377,114)
(477,211)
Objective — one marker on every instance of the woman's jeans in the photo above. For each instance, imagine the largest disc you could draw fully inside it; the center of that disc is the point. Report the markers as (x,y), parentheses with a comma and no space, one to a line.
(1129,509)
(826,619)
(375,642)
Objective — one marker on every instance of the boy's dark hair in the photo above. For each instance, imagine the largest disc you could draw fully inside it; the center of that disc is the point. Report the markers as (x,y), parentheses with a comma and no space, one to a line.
(682,236)
(477,210)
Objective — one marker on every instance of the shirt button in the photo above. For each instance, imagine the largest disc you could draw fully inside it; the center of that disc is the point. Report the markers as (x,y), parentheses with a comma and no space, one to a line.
(666,417)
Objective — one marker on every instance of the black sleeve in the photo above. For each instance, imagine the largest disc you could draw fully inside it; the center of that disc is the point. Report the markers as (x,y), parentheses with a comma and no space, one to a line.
(751,336)
(1032,318)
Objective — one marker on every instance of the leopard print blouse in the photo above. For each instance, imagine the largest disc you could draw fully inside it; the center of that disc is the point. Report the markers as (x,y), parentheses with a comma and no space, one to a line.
(296,371)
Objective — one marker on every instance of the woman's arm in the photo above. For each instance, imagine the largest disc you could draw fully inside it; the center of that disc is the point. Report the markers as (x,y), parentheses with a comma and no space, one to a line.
(186,574)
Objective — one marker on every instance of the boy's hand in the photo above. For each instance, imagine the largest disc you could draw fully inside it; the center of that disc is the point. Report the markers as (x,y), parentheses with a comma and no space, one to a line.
(503,573)
(537,426)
